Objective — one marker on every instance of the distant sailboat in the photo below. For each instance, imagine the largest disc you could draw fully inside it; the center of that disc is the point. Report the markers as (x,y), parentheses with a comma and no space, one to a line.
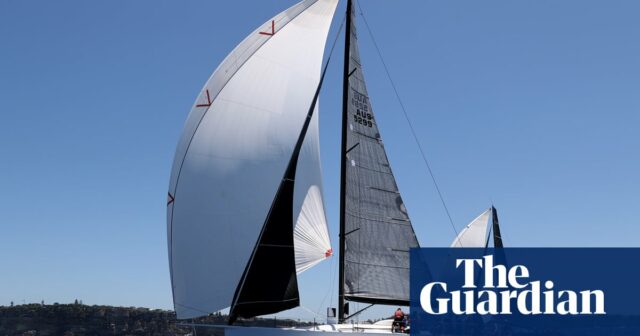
(475,233)
(245,209)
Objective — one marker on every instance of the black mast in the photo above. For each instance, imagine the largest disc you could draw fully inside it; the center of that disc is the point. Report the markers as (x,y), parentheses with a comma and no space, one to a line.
(343,161)
(497,237)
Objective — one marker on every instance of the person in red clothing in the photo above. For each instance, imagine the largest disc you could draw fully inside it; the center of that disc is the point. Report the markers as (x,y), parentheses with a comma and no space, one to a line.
(398,319)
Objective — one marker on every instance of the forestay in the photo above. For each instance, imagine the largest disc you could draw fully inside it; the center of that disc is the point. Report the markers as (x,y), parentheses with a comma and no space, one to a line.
(233,152)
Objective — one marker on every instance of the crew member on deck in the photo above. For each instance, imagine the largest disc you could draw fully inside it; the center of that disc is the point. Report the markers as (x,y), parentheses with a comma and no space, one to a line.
(398,317)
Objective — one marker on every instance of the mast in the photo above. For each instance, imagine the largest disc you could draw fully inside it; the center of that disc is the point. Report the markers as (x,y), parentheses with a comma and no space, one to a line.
(343,161)
(497,237)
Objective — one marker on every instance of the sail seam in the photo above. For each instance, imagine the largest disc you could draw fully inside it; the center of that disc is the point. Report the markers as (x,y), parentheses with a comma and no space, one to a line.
(375,140)
(380,220)
(377,265)
(383,190)
(371,169)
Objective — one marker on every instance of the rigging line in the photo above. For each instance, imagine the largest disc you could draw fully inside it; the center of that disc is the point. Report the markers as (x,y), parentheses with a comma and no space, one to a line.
(332,273)
(334,279)
(310,311)
(327,291)
(335,40)
(406,116)
(333,45)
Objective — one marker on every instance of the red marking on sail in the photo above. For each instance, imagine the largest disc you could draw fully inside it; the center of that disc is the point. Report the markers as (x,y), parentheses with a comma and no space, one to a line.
(208,101)
(273,29)
(170,198)
(328,253)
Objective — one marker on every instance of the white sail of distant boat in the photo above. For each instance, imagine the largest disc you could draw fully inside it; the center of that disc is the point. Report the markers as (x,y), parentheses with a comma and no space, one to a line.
(475,233)
(245,209)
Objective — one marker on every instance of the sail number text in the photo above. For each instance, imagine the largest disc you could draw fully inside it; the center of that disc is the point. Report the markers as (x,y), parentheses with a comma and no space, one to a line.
(363,115)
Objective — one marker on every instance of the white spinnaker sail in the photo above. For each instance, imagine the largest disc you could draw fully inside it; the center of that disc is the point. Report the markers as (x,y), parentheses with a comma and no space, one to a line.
(311,235)
(234,150)
(475,233)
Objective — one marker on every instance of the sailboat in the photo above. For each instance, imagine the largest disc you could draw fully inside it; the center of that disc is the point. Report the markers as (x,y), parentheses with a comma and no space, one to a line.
(475,233)
(245,208)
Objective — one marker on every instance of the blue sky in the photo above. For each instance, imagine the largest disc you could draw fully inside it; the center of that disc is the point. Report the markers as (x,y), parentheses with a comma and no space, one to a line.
(531,105)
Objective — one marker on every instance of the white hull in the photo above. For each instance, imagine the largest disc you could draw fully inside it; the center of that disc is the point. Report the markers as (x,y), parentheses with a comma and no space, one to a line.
(382,327)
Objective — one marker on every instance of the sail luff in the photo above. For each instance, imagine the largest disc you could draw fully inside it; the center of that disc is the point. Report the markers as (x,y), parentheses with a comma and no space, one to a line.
(343,160)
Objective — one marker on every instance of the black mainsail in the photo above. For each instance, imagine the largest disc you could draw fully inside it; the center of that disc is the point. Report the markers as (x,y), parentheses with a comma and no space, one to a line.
(375,230)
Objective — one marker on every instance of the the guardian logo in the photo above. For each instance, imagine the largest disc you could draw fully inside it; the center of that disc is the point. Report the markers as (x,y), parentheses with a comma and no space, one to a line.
(506,291)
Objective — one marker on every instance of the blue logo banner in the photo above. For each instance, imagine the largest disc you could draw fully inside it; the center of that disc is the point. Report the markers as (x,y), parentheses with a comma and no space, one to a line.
(525,291)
